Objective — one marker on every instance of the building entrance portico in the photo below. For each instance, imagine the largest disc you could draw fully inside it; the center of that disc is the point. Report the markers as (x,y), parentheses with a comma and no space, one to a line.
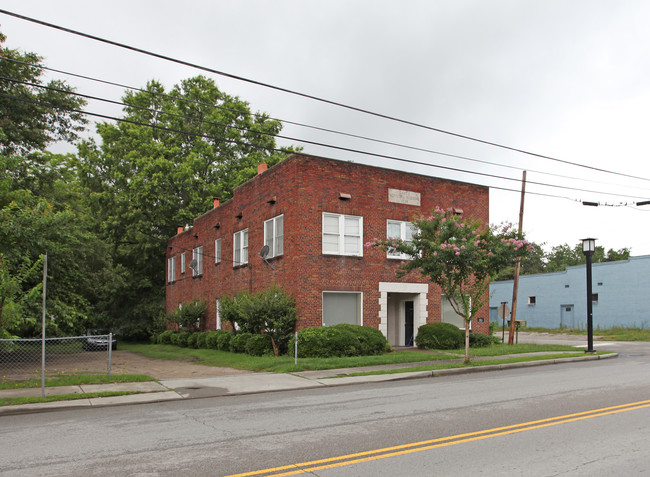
(402,310)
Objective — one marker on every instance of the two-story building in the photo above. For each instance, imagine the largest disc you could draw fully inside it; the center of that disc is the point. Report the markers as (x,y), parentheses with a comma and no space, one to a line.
(303,225)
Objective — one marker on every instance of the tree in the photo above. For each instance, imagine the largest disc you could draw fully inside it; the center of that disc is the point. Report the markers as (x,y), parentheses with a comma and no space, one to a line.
(161,169)
(459,255)
(33,114)
(563,256)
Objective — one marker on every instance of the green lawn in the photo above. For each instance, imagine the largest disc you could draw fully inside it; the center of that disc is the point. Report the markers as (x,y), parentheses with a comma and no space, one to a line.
(613,334)
(285,364)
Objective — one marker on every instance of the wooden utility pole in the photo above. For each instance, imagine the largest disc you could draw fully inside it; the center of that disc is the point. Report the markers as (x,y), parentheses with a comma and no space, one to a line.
(515,285)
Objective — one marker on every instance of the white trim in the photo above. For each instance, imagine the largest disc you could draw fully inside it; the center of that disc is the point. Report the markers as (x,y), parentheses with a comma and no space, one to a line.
(275,242)
(240,236)
(419,305)
(217,251)
(337,238)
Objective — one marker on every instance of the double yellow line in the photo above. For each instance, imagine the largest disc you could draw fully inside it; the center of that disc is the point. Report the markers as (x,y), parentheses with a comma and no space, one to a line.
(360,457)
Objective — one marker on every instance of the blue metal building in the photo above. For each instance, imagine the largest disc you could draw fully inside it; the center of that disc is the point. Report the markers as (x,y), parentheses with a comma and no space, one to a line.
(621,296)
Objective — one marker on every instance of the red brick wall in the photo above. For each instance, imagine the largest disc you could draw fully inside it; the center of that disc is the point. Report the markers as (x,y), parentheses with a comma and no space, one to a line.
(303,188)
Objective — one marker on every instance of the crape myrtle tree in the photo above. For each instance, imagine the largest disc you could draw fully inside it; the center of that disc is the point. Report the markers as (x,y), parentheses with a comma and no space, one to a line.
(459,255)
(160,168)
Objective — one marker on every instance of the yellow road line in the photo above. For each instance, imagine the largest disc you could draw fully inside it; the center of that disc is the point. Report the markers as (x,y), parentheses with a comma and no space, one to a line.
(403,449)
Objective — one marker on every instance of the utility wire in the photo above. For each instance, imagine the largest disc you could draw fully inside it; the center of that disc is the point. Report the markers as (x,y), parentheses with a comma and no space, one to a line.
(285,151)
(221,107)
(308,96)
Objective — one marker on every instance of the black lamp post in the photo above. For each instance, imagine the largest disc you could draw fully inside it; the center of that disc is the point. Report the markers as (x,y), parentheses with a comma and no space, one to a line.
(588,248)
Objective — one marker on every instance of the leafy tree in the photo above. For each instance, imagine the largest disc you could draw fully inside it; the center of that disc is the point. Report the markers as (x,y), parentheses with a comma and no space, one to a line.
(563,256)
(459,255)
(162,169)
(33,116)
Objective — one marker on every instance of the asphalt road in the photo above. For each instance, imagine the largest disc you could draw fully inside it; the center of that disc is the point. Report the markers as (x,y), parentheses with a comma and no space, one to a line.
(531,421)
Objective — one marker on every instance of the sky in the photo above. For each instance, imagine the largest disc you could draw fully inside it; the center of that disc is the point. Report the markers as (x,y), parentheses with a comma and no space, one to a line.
(564,82)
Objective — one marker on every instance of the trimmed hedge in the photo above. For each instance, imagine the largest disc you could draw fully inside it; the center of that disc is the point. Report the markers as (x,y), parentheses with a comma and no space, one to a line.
(340,340)
(440,336)
(479,340)
(259,345)
(238,342)
(166,337)
(223,340)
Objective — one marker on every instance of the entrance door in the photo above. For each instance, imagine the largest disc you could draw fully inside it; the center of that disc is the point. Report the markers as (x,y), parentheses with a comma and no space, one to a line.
(408,323)
(566,317)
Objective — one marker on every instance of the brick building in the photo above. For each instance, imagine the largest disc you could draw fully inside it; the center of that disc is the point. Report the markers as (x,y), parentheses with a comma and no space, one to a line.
(315,215)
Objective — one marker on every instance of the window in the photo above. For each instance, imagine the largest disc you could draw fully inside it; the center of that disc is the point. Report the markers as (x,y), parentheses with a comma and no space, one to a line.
(274,236)
(403,231)
(171,269)
(594,297)
(342,307)
(183,262)
(449,315)
(218,322)
(240,248)
(532,300)
(197,262)
(217,251)
(342,234)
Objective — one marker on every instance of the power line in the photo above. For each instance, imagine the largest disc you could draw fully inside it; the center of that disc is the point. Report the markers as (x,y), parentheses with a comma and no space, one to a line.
(308,96)
(366,153)
(221,107)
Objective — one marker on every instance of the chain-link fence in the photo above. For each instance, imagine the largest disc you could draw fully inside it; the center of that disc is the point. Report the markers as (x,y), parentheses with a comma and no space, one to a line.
(22,359)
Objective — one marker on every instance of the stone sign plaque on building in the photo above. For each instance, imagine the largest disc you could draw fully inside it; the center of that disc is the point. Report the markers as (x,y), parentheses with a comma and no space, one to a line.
(403,197)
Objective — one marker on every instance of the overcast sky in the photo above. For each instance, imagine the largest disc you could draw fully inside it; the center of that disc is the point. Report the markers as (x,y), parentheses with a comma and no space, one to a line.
(564,79)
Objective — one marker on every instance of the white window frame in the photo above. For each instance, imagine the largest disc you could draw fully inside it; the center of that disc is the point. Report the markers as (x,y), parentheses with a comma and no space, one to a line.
(197,254)
(273,238)
(183,262)
(218,315)
(240,248)
(171,270)
(404,226)
(217,251)
(330,292)
(532,300)
(341,235)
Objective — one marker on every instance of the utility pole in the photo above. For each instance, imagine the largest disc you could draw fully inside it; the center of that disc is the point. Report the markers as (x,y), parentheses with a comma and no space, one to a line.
(515,285)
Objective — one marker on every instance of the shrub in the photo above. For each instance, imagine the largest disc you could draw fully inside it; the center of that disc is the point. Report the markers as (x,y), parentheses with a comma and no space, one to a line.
(479,340)
(201,340)
(258,345)
(166,337)
(439,336)
(272,312)
(339,340)
(189,316)
(223,340)
(211,339)
(371,340)
(180,339)
(192,340)
(238,342)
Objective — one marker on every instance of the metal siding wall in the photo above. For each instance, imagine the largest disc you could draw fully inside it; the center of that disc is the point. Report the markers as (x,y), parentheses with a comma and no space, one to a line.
(623,297)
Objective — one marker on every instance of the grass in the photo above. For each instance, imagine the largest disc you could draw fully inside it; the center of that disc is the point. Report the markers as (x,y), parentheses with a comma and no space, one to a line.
(285,364)
(75,380)
(473,364)
(612,334)
(60,397)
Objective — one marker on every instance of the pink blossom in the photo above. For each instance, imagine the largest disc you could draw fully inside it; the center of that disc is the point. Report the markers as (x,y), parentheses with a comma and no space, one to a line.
(457,253)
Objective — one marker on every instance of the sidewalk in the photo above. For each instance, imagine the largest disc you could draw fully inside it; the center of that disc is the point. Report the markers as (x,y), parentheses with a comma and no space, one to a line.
(250,383)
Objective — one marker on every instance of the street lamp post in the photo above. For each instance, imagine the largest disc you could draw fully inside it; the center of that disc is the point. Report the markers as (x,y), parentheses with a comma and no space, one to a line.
(588,248)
